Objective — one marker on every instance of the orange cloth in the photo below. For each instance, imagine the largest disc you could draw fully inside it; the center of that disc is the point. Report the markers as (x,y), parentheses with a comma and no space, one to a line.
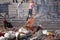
(30,21)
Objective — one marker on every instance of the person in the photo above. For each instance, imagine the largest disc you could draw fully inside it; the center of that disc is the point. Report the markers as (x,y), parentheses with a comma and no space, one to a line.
(31,5)
(20,9)
(15,1)
(7,24)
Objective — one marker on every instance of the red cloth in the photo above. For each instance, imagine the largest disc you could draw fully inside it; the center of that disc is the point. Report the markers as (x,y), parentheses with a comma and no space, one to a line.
(4,21)
(2,34)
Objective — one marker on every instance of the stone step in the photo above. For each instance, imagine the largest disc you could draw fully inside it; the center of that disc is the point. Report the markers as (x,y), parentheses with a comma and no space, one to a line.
(4,1)
(14,11)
